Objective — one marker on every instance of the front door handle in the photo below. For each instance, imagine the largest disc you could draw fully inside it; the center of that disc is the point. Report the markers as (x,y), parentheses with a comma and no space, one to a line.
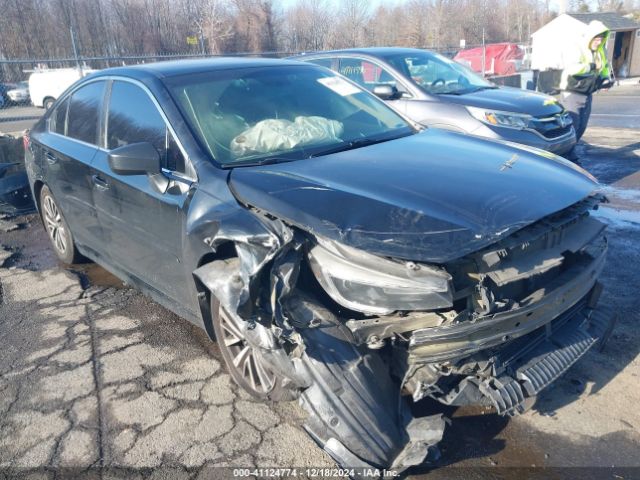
(51,158)
(100,182)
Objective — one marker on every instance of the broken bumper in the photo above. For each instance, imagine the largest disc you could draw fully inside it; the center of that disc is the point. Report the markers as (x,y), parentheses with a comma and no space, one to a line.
(540,308)
(525,374)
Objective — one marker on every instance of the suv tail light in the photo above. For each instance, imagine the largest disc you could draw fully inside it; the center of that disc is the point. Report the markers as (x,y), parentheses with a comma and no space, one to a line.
(26,140)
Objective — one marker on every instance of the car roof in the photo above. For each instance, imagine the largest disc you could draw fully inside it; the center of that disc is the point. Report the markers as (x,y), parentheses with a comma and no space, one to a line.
(372,51)
(193,66)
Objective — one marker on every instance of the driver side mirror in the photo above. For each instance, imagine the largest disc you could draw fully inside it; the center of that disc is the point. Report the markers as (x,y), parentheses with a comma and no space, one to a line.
(135,159)
(386,92)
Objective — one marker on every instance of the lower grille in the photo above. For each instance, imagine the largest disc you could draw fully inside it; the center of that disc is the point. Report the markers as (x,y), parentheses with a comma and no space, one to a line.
(548,368)
(514,393)
(557,132)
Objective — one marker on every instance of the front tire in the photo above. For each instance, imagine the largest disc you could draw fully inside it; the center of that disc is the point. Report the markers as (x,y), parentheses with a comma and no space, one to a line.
(244,362)
(57,228)
(48,103)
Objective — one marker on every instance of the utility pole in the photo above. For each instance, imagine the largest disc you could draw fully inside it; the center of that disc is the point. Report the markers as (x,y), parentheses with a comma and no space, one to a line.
(75,49)
(202,42)
(484,53)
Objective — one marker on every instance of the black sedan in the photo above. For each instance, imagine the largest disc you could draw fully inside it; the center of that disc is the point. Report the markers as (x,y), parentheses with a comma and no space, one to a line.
(337,252)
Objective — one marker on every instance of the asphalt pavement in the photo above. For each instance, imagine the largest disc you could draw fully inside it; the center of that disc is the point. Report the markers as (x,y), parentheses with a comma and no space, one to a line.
(618,107)
(15,119)
(95,375)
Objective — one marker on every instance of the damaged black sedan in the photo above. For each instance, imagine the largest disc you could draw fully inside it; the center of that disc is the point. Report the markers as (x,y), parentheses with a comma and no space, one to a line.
(338,253)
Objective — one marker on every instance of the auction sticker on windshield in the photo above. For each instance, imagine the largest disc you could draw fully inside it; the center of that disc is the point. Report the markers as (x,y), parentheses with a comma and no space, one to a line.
(339,85)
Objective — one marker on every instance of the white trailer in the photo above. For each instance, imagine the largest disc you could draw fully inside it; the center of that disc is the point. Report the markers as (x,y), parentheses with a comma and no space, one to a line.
(45,86)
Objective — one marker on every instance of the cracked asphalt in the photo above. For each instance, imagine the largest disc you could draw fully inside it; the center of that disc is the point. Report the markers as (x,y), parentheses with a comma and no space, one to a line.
(98,378)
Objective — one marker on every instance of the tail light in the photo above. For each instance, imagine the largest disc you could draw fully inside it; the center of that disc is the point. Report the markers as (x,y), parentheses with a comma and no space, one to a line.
(26,140)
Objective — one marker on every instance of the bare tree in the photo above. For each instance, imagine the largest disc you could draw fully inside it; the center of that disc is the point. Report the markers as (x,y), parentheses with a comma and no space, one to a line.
(42,28)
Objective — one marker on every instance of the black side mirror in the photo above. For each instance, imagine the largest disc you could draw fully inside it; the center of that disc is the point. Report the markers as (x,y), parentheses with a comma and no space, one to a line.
(386,92)
(135,159)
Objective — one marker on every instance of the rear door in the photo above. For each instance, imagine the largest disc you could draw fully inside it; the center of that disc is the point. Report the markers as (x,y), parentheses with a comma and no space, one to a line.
(67,147)
(143,224)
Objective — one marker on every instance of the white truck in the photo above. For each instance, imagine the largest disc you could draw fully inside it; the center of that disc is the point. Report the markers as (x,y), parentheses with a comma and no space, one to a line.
(46,85)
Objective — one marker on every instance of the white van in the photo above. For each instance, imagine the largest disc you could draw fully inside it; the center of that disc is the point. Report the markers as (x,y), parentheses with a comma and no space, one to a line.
(45,86)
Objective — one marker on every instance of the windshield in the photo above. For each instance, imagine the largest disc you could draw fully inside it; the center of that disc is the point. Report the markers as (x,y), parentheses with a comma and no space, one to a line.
(270,114)
(436,74)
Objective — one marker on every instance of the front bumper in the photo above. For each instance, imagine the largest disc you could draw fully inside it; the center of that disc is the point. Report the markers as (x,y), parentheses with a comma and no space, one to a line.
(559,145)
(462,339)
(524,375)
(18,97)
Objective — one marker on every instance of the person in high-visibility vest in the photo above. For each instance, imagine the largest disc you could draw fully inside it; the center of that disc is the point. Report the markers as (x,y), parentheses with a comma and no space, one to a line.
(586,69)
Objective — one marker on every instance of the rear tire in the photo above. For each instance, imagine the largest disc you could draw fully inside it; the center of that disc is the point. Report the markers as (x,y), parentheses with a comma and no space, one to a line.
(245,365)
(57,228)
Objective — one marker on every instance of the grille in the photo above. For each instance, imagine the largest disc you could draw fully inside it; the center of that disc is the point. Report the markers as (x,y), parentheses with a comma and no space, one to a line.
(554,126)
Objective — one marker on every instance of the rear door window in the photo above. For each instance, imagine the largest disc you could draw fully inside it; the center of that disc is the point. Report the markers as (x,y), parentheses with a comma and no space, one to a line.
(84,113)
(133,117)
(365,74)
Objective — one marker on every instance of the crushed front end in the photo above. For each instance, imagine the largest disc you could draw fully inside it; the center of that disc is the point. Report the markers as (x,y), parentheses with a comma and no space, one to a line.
(363,335)
(525,309)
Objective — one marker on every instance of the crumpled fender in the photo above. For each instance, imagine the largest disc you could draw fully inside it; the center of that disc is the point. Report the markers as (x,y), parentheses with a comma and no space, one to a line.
(257,241)
(356,412)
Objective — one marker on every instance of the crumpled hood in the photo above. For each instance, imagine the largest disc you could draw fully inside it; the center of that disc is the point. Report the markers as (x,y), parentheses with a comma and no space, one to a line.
(509,99)
(432,197)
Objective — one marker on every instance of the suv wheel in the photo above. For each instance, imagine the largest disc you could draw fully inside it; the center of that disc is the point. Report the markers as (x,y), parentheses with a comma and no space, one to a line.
(48,103)
(57,228)
(244,363)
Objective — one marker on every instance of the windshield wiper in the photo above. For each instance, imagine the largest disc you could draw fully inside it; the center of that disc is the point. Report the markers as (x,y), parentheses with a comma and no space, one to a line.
(357,143)
(485,87)
(353,144)
(257,162)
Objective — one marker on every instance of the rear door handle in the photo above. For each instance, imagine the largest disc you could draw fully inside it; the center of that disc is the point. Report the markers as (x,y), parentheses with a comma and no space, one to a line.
(100,183)
(51,158)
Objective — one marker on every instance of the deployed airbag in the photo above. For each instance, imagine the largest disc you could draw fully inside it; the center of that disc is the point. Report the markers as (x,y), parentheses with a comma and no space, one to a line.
(273,135)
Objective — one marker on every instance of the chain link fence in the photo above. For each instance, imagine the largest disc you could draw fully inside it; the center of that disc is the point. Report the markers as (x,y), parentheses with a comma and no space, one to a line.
(20,107)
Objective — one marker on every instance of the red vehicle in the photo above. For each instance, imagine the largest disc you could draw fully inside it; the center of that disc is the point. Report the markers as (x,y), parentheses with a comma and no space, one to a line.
(500,58)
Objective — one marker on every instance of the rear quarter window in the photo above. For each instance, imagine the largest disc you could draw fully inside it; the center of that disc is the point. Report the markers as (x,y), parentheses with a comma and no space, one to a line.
(84,113)
(58,122)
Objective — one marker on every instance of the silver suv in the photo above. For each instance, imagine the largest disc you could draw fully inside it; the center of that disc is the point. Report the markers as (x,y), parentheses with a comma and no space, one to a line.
(437,92)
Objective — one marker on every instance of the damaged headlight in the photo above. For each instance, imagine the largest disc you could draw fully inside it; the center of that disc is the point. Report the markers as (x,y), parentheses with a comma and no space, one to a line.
(375,285)
(500,119)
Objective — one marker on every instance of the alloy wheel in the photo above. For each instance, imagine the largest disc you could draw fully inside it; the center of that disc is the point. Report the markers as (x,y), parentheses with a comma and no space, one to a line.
(244,357)
(55,225)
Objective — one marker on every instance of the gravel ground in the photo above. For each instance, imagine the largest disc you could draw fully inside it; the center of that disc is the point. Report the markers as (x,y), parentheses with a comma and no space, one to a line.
(93,374)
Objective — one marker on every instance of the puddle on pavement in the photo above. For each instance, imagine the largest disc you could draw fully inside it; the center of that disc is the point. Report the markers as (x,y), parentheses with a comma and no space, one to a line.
(93,275)
(29,243)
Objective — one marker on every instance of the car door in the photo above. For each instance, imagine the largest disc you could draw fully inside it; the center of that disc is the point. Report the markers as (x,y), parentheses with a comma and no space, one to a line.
(143,224)
(368,74)
(66,149)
